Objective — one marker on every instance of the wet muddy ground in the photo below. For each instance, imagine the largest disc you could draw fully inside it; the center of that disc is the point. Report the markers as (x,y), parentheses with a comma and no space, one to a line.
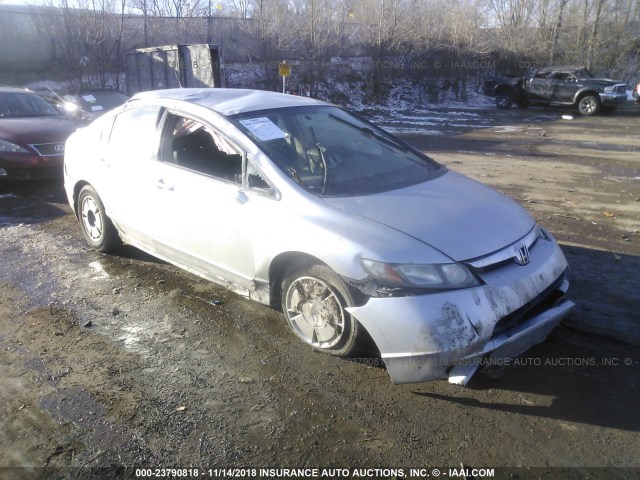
(123,360)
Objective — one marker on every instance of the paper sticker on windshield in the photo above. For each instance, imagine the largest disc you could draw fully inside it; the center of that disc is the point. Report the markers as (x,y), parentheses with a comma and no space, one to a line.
(263,128)
(89,98)
(97,108)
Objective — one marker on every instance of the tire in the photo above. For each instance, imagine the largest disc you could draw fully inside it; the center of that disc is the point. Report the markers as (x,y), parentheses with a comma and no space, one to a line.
(504,100)
(97,228)
(589,105)
(307,293)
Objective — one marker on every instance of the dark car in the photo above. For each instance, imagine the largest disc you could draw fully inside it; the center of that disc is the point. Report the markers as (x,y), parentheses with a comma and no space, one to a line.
(574,86)
(32,136)
(88,105)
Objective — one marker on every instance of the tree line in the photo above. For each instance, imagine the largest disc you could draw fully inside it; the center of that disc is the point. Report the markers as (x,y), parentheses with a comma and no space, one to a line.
(419,40)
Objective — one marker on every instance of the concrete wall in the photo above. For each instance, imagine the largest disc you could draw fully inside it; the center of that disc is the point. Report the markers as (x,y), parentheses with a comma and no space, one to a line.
(33,38)
(24,44)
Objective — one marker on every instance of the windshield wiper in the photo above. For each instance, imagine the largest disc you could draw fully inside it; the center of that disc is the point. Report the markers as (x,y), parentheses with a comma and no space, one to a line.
(369,132)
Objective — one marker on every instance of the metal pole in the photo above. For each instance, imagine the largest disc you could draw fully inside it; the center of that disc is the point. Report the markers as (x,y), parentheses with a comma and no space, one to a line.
(146,28)
(209,24)
(283,79)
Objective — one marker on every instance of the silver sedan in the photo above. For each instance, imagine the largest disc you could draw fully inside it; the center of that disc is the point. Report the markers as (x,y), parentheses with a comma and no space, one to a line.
(293,202)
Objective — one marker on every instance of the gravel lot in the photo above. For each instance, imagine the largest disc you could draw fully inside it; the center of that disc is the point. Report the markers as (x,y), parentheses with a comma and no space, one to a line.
(123,360)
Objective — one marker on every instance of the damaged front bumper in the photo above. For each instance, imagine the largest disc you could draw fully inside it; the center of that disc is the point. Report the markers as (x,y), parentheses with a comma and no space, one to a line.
(450,334)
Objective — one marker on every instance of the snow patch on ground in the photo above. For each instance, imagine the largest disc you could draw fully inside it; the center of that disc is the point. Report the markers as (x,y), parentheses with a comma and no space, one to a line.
(408,107)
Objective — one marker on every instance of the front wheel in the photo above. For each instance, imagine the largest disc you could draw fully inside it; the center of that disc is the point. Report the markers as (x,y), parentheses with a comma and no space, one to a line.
(589,105)
(98,231)
(314,300)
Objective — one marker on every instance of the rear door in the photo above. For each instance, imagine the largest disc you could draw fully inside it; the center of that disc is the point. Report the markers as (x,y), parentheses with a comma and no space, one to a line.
(130,155)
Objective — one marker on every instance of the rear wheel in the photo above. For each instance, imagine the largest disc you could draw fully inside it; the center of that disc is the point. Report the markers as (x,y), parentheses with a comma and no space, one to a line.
(97,228)
(504,100)
(314,299)
(589,105)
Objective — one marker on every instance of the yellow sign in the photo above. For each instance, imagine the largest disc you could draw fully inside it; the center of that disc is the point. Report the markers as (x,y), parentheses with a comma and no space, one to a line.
(284,70)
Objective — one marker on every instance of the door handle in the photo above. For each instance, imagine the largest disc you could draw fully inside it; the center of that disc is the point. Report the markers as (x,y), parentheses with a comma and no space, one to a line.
(163,186)
(241,197)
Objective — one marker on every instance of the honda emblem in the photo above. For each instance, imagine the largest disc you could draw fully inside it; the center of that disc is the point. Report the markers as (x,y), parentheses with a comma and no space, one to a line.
(522,255)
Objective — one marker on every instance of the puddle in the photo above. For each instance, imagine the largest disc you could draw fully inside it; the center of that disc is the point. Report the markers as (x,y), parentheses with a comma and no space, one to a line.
(72,405)
(17,209)
(98,269)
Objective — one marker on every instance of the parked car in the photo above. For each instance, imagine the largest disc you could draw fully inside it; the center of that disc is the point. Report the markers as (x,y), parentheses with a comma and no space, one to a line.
(574,86)
(88,105)
(32,136)
(356,235)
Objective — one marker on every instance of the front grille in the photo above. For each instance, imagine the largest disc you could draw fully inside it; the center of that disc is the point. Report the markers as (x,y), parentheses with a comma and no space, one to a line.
(54,171)
(49,149)
(504,256)
(620,88)
(539,304)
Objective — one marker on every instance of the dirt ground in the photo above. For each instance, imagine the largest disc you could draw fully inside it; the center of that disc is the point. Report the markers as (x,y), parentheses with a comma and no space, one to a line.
(121,360)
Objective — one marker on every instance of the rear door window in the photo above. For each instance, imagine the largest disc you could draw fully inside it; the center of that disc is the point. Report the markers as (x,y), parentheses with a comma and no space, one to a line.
(134,134)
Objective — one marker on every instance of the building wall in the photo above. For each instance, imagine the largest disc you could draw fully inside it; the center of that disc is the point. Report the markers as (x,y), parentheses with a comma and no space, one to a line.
(24,45)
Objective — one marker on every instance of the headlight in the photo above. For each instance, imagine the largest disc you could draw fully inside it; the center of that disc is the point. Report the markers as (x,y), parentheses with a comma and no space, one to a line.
(608,89)
(439,276)
(70,107)
(6,146)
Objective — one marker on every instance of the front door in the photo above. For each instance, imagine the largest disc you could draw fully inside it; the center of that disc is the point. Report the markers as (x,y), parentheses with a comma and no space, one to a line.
(206,219)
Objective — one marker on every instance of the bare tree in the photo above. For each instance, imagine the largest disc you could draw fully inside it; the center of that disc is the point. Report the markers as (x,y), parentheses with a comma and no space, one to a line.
(272,24)
(319,26)
(556,30)
(92,33)
(515,24)
(593,37)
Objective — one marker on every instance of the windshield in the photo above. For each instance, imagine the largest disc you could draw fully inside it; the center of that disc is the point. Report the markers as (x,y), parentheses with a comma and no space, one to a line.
(333,153)
(19,104)
(583,73)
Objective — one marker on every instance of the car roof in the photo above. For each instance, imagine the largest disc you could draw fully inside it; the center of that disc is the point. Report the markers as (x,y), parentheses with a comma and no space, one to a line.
(227,101)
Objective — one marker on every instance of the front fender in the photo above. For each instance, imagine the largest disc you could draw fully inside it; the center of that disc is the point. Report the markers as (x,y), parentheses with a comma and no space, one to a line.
(583,92)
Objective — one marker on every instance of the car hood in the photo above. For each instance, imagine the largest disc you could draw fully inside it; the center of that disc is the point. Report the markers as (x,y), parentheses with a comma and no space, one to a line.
(33,130)
(603,82)
(452,213)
